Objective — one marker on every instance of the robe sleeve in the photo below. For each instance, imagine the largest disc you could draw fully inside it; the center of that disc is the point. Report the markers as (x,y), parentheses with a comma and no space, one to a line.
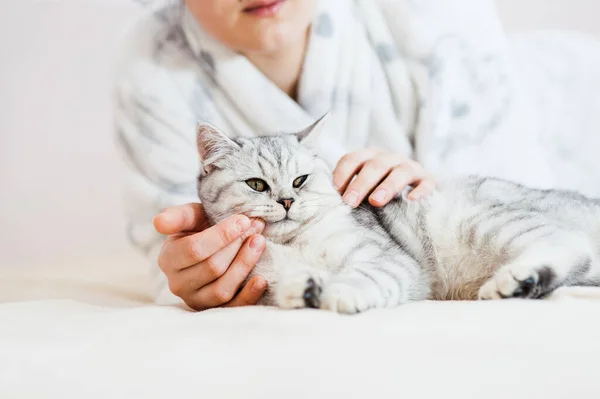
(475,113)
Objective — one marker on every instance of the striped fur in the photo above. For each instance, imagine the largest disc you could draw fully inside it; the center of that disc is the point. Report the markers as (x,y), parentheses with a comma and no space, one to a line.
(473,238)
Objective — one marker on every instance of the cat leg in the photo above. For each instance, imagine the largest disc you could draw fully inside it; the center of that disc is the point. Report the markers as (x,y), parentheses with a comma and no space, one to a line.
(352,291)
(372,277)
(561,258)
(357,288)
(383,283)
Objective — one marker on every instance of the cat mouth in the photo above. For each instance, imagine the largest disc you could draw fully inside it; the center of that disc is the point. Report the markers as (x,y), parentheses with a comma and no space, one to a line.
(285,219)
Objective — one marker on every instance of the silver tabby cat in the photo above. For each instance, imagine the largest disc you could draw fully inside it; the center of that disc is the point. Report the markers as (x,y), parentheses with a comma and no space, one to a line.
(473,238)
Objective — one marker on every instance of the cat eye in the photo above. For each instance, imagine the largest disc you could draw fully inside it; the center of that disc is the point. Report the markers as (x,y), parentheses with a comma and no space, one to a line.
(257,185)
(300,181)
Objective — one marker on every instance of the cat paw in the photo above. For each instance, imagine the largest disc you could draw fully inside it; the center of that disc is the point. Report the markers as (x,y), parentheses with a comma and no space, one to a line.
(301,289)
(312,294)
(516,281)
(343,298)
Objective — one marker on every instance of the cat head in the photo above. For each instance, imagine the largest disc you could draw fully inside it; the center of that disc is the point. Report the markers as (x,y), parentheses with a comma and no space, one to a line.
(278,179)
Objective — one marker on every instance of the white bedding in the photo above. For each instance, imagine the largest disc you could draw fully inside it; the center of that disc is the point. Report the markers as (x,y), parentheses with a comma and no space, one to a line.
(108,340)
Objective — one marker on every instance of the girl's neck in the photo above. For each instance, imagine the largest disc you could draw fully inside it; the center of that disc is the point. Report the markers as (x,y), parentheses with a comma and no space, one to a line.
(284,67)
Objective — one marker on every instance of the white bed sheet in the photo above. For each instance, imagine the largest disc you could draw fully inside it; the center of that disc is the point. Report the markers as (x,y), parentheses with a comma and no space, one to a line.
(73,333)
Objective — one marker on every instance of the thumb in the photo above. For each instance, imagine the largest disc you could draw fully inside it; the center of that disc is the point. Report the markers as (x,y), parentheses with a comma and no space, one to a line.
(182,218)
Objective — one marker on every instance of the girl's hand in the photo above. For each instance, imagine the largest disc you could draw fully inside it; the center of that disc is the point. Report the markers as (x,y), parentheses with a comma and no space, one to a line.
(207,266)
(380,175)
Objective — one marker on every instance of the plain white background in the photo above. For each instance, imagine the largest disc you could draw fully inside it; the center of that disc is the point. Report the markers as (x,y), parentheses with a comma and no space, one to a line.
(581,15)
(59,192)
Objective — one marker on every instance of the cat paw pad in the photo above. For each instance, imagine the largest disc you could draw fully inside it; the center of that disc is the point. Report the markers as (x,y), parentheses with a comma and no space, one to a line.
(518,282)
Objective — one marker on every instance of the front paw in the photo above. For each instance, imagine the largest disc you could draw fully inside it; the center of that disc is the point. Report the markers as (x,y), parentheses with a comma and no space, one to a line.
(300,289)
(343,298)
(309,288)
(517,281)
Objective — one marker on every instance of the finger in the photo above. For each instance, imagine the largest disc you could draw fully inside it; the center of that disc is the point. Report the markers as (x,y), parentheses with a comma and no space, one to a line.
(226,255)
(350,165)
(224,289)
(400,177)
(185,283)
(187,251)
(177,219)
(250,293)
(424,189)
(188,281)
(368,178)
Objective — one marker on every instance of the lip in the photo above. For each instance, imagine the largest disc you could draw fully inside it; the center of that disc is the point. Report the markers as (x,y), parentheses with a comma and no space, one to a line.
(264,8)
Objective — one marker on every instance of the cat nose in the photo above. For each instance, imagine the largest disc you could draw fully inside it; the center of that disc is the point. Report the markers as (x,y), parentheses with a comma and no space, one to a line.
(286,202)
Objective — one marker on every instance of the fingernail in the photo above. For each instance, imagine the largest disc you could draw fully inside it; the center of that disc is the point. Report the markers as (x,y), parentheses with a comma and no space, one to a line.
(166,216)
(257,244)
(351,198)
(257,226)
(242,224)
(380,195)
(259,285)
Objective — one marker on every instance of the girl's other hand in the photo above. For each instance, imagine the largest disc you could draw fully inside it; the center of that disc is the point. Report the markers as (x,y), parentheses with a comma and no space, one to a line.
(380,175)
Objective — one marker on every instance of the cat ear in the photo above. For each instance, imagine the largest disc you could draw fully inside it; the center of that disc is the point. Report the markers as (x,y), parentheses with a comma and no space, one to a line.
(212,145)
(311,134)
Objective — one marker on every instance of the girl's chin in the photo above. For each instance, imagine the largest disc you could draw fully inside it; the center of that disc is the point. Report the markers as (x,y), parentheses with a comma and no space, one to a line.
(269,37)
